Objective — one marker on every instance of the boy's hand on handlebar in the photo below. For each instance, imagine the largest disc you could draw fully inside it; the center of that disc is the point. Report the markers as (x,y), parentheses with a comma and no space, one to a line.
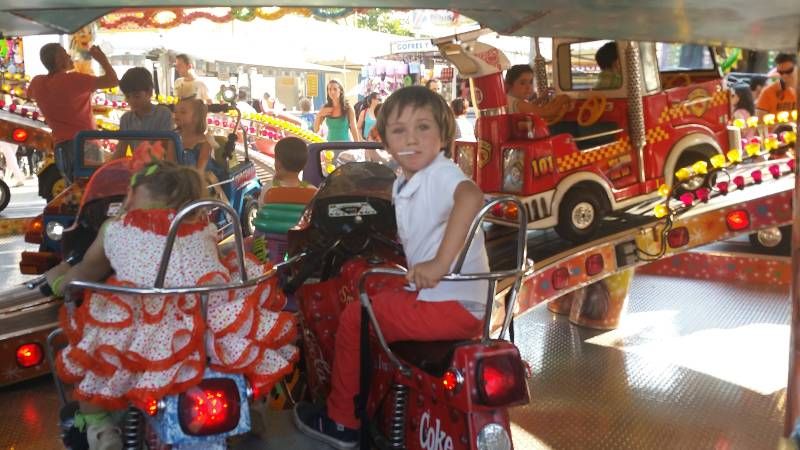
(427,275)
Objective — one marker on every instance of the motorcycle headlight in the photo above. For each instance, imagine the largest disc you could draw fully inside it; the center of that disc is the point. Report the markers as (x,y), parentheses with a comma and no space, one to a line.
(513,163)
(494,437)
(54,230)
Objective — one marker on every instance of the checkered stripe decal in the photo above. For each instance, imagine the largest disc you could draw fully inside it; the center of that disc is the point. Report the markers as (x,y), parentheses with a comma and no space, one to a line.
(719,98)
(578,159)
(656,135)
(678,111)
(673,112)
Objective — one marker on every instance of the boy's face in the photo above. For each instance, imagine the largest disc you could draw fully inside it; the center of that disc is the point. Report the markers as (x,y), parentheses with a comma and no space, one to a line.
(414,138)
(139,101)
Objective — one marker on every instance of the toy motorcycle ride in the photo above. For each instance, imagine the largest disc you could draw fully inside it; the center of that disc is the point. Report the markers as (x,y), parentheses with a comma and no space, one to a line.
(102,198)
(205,415)
(413,395)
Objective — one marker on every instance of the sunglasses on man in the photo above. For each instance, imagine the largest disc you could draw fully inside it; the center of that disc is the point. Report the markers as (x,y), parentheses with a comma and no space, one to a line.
(785,72)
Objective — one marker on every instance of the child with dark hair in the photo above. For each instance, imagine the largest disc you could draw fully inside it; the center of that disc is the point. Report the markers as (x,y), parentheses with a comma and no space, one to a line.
(743,106)
(291,155)
(137,86)
(129,349)
(607,58)
(519,90)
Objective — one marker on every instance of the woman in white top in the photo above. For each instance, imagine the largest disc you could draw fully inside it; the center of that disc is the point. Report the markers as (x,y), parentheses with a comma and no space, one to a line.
(464,129)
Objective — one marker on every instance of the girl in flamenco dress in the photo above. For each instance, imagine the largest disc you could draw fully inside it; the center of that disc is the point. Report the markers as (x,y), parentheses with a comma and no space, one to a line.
(129,349)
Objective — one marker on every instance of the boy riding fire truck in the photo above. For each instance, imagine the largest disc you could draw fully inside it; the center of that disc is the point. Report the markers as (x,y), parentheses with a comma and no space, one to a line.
(609,147)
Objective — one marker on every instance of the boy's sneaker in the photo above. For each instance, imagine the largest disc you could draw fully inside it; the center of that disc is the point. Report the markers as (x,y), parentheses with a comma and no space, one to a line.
(314,422)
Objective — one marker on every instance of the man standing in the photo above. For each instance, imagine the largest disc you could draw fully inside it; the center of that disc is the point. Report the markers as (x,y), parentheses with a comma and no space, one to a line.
(64,98)
(780,96)
(187,85)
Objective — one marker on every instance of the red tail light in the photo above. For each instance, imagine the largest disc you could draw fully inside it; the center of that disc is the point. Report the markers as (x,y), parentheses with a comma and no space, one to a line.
(738,220)
(678,237)
(19,135)
(29,355)
(452,380)
(511,211)
(501,380)
(34,234)
(212,407)
(498,209)
(152,407)
(594,264)
(560,278)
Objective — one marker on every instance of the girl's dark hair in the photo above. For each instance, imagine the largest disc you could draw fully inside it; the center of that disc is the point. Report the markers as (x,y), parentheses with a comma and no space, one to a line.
(419,97)
(459,106)
(515,72)
(200,111)
(745,98)
(342,101)
(368,101)
(170,183)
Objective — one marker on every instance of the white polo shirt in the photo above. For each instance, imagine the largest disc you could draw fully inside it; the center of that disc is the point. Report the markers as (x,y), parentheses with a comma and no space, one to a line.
(422,207)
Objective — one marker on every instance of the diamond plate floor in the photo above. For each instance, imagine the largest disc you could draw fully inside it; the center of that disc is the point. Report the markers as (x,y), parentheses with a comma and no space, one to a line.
(695,365)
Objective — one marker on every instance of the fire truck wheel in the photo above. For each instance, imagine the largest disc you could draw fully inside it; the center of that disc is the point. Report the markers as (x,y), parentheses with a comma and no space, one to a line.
(5,195)
(579,215)
(773,241)
(249,216)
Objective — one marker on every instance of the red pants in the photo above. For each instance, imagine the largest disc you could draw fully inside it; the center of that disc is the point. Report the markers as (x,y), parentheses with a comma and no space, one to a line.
(402,317)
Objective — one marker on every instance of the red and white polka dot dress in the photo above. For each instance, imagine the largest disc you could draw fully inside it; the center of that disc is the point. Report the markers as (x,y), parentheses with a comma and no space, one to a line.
(125,348)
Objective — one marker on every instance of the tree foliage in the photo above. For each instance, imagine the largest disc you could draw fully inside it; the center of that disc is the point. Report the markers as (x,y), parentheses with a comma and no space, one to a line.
(383,21)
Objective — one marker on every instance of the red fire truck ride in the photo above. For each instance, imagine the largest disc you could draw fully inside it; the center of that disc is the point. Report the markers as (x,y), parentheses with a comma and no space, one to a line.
(605,149)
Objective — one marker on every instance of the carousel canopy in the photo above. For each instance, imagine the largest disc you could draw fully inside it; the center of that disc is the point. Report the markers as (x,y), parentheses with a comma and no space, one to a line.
(769,24)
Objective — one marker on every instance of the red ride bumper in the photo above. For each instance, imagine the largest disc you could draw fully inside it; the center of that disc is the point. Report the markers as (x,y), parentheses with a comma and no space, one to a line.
(35,263)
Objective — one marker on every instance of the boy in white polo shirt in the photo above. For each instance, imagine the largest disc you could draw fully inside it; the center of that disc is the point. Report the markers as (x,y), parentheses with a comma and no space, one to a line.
(434,205)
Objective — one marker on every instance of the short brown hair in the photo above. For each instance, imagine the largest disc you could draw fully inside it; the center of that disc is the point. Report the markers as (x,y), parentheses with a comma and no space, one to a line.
(419,97)
(48,56)
(292,153)
(171,183)
(200,111)
(185,58)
